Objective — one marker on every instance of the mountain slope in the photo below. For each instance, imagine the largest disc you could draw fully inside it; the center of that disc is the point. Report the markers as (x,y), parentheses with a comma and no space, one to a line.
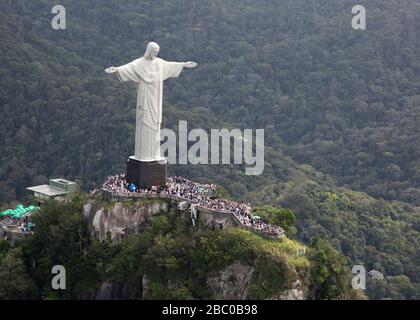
(339,108)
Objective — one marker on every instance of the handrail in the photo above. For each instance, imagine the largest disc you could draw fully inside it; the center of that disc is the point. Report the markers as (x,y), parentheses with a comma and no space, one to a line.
(136,195)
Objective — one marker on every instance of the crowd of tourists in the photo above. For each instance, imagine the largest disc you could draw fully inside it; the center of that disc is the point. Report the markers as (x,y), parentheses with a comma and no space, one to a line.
(116,183)
(201,194)
(21,224)
(188,189)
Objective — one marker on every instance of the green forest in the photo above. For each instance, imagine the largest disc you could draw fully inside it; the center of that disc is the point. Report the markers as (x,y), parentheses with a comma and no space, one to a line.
(177,259)
(340,109)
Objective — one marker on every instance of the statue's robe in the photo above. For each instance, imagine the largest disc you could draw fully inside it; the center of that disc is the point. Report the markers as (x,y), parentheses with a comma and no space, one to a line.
(149,75)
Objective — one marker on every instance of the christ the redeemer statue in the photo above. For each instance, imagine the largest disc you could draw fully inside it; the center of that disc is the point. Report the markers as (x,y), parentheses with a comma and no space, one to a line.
(148,72)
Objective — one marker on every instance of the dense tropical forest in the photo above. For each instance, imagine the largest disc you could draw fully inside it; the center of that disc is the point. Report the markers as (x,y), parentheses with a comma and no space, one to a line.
(178,260)
(340,108)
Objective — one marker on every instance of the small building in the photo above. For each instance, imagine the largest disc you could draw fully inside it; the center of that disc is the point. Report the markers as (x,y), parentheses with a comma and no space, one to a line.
(57,188)
(374,274)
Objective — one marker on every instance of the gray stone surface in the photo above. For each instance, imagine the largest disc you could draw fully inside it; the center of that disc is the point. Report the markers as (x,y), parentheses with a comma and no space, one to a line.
(232,283)
(119,218)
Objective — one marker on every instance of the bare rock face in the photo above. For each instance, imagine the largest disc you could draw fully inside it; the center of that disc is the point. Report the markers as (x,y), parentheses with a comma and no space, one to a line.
(232,283)
(145,284)
(295,293)
(120,218)
(112,291)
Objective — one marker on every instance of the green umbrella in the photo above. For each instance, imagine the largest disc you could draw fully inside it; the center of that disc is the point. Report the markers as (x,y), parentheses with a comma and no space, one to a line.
(19,211)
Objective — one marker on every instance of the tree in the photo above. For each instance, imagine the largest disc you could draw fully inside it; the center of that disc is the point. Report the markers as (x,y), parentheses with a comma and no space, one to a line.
(282,217)
(15,283)
(330,274)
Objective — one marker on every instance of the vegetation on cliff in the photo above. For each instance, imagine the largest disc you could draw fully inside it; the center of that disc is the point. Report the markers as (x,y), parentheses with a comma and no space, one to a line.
(375,233)
(177,258)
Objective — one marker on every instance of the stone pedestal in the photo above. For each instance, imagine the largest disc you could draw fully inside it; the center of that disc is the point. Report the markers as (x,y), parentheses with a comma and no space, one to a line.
(145,174)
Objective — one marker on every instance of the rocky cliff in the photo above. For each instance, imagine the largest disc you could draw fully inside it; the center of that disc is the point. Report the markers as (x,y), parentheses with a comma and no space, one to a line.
(122,217)
(232,283)
(118,218)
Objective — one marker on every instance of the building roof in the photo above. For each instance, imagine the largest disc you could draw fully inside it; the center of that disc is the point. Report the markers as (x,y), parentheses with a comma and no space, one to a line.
(48,190)
(62,180)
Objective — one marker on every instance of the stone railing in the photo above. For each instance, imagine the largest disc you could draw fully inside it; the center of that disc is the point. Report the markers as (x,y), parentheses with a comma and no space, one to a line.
(136,195)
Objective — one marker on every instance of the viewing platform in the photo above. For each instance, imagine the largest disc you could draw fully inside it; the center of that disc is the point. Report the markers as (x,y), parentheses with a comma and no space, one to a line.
(197,203)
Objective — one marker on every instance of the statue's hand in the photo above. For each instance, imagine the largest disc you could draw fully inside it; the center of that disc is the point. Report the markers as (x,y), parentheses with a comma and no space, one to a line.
(190,64)
(111,70)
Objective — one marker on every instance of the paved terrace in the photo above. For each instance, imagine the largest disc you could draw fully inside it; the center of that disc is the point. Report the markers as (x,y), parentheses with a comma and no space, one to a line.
(14,229)
(179,189)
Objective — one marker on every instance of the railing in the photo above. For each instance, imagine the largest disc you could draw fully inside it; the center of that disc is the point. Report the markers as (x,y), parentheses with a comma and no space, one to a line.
(137,195)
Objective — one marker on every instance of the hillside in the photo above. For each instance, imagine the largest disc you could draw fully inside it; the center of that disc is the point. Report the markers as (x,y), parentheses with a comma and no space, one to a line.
(340,108)
(341,101)
(169,259)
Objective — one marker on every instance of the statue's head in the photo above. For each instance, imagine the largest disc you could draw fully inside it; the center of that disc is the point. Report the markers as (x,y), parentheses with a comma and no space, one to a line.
(152,50)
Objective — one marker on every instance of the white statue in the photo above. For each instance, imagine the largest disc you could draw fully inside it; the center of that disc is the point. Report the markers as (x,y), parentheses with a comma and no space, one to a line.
(149,72)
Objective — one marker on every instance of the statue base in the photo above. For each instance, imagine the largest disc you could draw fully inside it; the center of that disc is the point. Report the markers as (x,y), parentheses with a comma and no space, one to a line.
(145,174)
